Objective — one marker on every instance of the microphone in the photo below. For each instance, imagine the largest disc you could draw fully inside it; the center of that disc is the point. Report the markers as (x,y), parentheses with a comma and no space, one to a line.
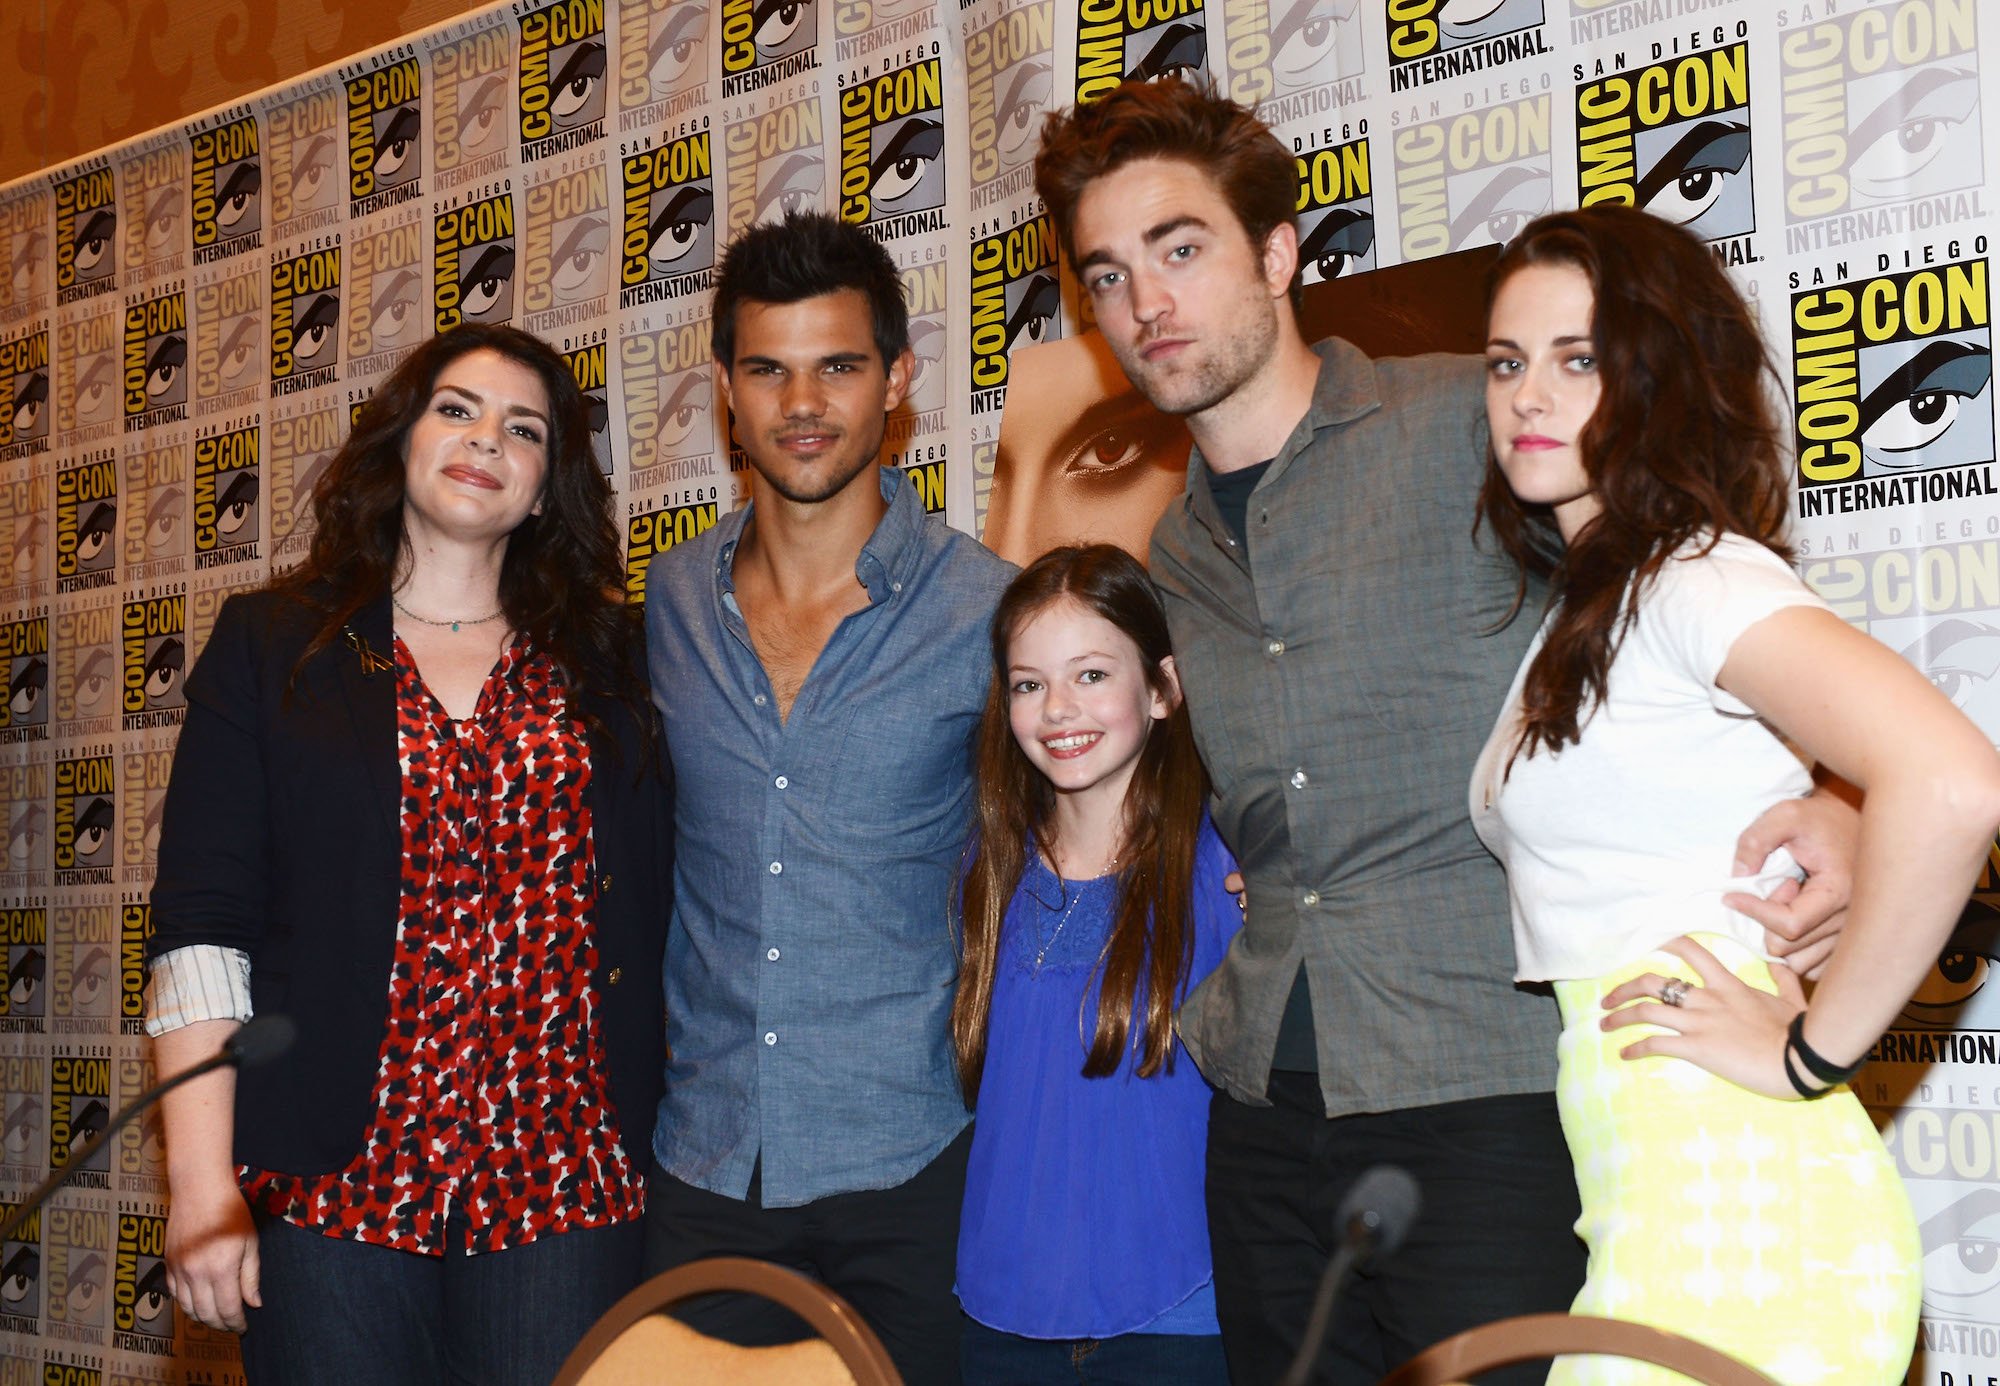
(260,1040)
(1374,1218)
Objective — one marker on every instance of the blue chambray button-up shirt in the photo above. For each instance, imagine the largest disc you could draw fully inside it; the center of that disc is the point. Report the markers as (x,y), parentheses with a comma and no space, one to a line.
(810,965)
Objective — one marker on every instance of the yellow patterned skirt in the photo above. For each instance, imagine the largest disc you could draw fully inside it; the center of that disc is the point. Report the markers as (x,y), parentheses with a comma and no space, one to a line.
(1778,1232)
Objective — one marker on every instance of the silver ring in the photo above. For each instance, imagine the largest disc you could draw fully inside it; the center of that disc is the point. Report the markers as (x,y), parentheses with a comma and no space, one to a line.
(1674,992)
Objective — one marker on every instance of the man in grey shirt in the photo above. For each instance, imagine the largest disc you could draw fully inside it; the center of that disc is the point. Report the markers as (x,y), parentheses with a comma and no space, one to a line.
(1345,645)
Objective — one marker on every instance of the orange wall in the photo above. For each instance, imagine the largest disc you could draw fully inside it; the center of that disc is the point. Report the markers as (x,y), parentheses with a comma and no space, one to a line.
(76,75)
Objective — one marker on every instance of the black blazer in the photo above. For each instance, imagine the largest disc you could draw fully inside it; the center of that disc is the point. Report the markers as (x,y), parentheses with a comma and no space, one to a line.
(281,837)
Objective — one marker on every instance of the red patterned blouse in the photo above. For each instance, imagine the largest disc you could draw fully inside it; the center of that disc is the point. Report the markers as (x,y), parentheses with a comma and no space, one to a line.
(490,1096)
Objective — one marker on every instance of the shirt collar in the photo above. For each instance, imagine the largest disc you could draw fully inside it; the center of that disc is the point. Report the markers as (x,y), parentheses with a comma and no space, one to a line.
(885,560)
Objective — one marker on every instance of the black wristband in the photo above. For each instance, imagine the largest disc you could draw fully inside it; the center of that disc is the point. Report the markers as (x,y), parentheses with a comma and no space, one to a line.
(1798,1083)
(1827,1072)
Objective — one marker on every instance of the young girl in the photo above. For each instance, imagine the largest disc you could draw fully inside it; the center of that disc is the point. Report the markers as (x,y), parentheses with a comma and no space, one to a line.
(1093,900)
(1733,1188)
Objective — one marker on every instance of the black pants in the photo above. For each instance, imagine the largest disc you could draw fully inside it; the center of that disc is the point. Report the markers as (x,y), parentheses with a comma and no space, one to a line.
(1494,1237)
(891,1253)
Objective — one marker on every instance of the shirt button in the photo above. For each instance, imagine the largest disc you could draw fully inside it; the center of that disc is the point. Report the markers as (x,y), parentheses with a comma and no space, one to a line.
(770,1037)
(777,868)
(772,955)
(1274,648)
(604,884)
(782,782)
(1298,779)
(895,587)
(1309,899)
(760,700)
(614,977)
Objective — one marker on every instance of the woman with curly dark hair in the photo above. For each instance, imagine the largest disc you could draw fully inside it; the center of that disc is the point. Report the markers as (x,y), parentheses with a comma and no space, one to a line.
(411,772)
(1733,1188)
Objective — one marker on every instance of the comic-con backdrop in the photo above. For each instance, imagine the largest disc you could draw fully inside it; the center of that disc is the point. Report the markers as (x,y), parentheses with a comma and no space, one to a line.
(188,321)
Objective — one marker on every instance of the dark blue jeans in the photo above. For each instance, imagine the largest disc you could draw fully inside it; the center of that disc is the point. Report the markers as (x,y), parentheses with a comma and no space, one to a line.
(992,1358)
(347,1313)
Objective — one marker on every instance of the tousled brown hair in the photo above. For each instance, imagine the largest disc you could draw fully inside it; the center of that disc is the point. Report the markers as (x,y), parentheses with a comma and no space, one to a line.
(560,582)
(1683,445)
(1151,945)
(1172,118)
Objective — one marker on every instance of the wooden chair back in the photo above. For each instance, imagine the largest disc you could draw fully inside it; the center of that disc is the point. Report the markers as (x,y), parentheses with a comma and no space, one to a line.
(1532,1337)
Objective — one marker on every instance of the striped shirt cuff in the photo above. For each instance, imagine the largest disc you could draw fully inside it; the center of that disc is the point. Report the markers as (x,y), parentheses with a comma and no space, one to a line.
(203,981)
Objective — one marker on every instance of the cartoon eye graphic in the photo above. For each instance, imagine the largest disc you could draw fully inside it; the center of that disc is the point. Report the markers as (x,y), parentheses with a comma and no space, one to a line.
(31,402)
(24,982)
(1303,41)
(86,1283)
(1030,88)
(1960,658)
(684,409)
(1510,200)
(163,214)
(1914,129)
(1689,178)
(163,670)
(317,329)
(678,228)
(578,258)
(18,1276)
(93,828)
(577,82)
(28,545)
(88,1123)
(163,367)
(479,119)
(235,508)
(1338,242)
(1465,20)
(1961,1251)
(1179,51)
(1963,967)
(152,1293)
(95,397)
(395,144)
(793,186)
(92,239)
(484,291)
(239,347)
(673,49)
(309,479)
(1918,402)
(778,22)
(28,261)
(392,314)
(24,1118)
(309,178)
(239,195)
(909,154)
(24,834)
(93,679)
(93,969)
(927,351)
(1037,309)
(163,518)
(93,536)
(26,689)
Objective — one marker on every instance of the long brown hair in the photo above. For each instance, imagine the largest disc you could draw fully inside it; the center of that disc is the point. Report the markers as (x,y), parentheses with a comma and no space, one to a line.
(1683,445)
(1152,939)
(560,578)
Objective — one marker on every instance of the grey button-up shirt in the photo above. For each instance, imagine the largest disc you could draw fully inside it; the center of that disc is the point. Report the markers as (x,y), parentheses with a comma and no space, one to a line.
(810,966)
(1343,670)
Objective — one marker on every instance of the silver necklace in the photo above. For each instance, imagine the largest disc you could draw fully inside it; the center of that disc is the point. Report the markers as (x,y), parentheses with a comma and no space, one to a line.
(427,621)
(1075,899)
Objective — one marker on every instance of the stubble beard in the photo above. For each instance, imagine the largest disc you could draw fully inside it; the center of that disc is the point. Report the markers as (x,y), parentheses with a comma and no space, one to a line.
(1238,356)
(822,486)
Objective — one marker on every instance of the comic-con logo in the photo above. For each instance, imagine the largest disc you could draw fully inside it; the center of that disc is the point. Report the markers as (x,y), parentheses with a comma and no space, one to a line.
(225,187)
(229,342)
(1141,40)
(765,42)
(1016,300)
(23,1105)
(155,205)
(661,44)
(1672,139)
(21,1269)
(86,660)
(301,447)
(87,524)
(565,269)
(1336,213)
(24,395)
(384,136)
(135,929)
(668,390)
(305,320)
(155,361)
(587,366)
(1430,40)
(87,935)
(1892,388)
(668,244)
(892,151)
(24,531)
(1010,72)
(79,1110)
(922,410)
(471,93)
(87,392)
(562,77)
(776,164)
(143,1306)
(24,663)
(156,506)
(24,801)
(24,252)
(1284,56)
(473,270)
(78,1252)
(227,477)
(304,161)
(385,292)
(85,819)
(24,989)
(1881,108)
(653,532)
(154,636)
(1472,179)
(86,234)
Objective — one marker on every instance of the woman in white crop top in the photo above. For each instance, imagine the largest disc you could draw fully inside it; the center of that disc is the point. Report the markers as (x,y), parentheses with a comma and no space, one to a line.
(1733,1189)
